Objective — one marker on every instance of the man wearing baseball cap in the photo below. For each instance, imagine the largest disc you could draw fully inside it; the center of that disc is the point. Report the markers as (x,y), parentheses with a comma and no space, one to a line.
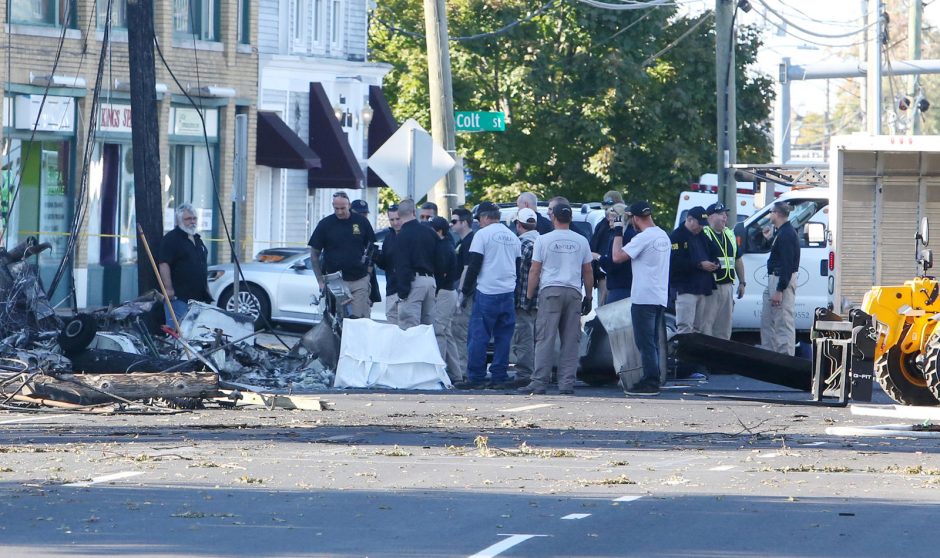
(648,253)
(360,206)
(523,339)
(561,269)
(691,267)
(720,305)
(491,281)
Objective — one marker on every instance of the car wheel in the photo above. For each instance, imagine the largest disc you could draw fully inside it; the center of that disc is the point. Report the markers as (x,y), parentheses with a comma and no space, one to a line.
(77,334)
(251,301)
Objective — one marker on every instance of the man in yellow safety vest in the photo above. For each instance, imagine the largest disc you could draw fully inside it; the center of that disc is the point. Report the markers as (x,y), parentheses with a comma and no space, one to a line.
(720,305)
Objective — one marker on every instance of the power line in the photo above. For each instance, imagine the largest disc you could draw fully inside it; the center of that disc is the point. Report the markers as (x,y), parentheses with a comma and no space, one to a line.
(502,30)
(788,22)
(628,5)
(688,32)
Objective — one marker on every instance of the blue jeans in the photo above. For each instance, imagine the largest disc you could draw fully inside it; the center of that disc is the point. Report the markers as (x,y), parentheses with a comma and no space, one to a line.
(493,316)
(613,295)
(180,307)
(647,319)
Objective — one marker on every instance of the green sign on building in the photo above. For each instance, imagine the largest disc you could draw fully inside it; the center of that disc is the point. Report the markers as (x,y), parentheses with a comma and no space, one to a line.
(480,121)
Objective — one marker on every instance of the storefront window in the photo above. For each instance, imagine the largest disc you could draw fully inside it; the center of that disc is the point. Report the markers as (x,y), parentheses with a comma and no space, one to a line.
(118,13)
(191,182)
(112,198)
(42,12)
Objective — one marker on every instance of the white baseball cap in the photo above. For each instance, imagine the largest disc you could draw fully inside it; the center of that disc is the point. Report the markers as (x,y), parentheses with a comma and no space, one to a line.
(526,215)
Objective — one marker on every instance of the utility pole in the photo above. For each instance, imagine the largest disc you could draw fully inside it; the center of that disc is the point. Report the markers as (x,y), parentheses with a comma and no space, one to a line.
(440,88)
(915,14)
(726,121)
(863,59)
(145,135)
(875,14)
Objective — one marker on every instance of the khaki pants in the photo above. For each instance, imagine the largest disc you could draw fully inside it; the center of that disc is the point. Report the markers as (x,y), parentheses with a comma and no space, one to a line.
(460,325)
(777,328)
(445,307)
(418,308)
(690,312)
(360,306)
(719,306)
(558,317)
(391,309)
(523,344)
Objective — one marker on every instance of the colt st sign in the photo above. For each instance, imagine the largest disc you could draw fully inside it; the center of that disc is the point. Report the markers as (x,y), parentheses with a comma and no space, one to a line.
(480,121)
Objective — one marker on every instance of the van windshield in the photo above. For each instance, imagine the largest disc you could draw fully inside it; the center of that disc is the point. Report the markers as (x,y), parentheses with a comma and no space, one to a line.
(759,233)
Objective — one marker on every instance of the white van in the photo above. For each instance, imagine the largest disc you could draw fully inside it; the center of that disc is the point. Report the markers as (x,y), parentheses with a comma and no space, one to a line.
(810,218)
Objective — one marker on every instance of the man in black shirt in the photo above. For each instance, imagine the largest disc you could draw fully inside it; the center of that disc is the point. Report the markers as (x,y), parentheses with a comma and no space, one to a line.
(461,222)
(445,303)
(428,212)
(691,271)
(414,269)
(183,265)
(777,328)
(345,239)
(531,201)
(385,258)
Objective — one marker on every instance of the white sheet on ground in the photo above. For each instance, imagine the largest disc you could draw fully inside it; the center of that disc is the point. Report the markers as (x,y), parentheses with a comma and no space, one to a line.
(375,355)
(617,320)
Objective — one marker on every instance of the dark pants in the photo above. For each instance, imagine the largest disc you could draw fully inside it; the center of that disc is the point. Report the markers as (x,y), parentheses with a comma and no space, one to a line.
(646,323)
(613,295)
(493,316)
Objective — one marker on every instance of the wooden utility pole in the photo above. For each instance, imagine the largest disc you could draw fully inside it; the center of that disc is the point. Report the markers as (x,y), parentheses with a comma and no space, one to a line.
(145,134)
(440,87)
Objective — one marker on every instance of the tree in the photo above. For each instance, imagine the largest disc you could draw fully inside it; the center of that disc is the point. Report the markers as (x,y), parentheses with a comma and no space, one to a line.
(588,106)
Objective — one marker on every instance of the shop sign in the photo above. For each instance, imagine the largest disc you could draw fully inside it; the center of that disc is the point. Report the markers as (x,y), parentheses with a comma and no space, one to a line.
(186,122)
(114,118)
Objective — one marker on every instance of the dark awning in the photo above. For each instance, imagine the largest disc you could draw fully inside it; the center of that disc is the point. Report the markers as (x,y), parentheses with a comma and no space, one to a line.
(340,168)
(381,128)
(280,147)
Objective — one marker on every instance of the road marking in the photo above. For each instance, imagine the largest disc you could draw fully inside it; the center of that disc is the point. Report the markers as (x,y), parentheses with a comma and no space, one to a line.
(629,498)
(337,438)
(503,545)
(28,419)
(106,478)
(576,516)
(814,444)
(722,468)
(527,408)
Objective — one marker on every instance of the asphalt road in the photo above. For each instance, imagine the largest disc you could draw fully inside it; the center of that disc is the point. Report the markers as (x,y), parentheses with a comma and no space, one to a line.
(483,474)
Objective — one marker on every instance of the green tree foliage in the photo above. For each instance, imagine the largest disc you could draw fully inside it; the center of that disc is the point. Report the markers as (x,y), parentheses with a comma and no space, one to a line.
(589,107)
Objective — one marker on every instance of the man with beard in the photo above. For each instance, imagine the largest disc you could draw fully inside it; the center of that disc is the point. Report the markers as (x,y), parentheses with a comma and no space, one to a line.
(183,265)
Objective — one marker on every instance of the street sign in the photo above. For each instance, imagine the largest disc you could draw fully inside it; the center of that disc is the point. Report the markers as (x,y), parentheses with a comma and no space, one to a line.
(410,162)
(480,121)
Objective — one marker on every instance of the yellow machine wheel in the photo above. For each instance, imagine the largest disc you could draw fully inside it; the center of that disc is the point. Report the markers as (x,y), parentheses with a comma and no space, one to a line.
(902,379)
(932,365)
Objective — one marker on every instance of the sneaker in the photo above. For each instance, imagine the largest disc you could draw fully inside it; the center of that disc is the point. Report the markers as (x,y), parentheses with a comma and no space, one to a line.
(501,385)
(520,382)
(697,377)
(470,384)
(528,389)
(647,389)
(566,392)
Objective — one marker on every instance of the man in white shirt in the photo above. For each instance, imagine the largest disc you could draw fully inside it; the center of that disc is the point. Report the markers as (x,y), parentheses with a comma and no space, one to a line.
(491,281)
(561,265)
(648,253)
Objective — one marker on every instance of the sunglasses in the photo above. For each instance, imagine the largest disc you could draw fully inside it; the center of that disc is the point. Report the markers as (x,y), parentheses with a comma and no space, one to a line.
(341,195)
(454,221)
(393,207)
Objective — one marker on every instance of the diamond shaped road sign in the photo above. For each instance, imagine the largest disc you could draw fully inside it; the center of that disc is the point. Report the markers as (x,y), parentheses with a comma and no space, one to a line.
(410,150)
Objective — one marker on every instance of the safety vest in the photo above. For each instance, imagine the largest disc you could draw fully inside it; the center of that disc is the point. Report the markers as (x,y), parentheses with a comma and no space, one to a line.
(729,251)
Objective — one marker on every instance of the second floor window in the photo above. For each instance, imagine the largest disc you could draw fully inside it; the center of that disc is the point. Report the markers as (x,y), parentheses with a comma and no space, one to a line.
(199,18)
(60,13)
(118,13)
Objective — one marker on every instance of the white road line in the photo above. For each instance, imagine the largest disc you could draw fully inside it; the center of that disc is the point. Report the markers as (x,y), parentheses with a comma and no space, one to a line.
(630,498)
(526,408)
(29,419)
(337,438)
(576,516)
(503,545)
(106,478)
(722,468)
(814,444)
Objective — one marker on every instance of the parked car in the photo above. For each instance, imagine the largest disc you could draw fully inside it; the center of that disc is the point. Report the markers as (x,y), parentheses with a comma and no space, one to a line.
(278,285)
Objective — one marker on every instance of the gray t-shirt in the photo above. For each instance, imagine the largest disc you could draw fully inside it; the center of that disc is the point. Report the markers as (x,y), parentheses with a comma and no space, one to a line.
(562,253)
(500,248)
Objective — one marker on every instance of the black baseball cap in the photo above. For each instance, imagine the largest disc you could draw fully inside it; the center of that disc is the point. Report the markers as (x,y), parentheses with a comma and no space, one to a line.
(440,224)
(562,210)
(485,207)
(717,207)
(359,206)
(641,209)
(698,212)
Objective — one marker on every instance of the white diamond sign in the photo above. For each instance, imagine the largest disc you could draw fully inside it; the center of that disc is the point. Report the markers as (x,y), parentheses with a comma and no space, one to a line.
(410,160)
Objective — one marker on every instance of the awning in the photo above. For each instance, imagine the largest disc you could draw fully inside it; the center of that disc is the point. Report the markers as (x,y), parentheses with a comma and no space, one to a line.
(381,128)
(280,147)
(339,169)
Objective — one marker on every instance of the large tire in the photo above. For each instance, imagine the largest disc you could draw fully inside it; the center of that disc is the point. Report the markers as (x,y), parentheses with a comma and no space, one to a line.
(252,301)
(77,334)
(902,379)
(932,365)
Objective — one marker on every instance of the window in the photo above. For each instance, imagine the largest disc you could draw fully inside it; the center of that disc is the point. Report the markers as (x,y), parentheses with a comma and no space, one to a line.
(60,13)
(336,24)
(199,18)
(299,23)
(244,22)
(118,13)
(191,182)
(317,22)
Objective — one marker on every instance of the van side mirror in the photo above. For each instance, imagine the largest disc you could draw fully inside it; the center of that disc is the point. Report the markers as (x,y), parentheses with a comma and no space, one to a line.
(924,232)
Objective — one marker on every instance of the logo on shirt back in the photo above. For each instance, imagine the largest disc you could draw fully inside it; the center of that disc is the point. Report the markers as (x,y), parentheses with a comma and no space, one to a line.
(564,247)
(504,238)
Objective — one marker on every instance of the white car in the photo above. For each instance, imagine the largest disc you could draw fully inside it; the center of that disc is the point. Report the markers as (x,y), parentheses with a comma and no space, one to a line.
(279,285)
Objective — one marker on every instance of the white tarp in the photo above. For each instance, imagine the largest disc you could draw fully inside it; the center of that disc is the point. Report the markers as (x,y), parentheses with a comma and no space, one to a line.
(201,321)
(375,355)
(616,319)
